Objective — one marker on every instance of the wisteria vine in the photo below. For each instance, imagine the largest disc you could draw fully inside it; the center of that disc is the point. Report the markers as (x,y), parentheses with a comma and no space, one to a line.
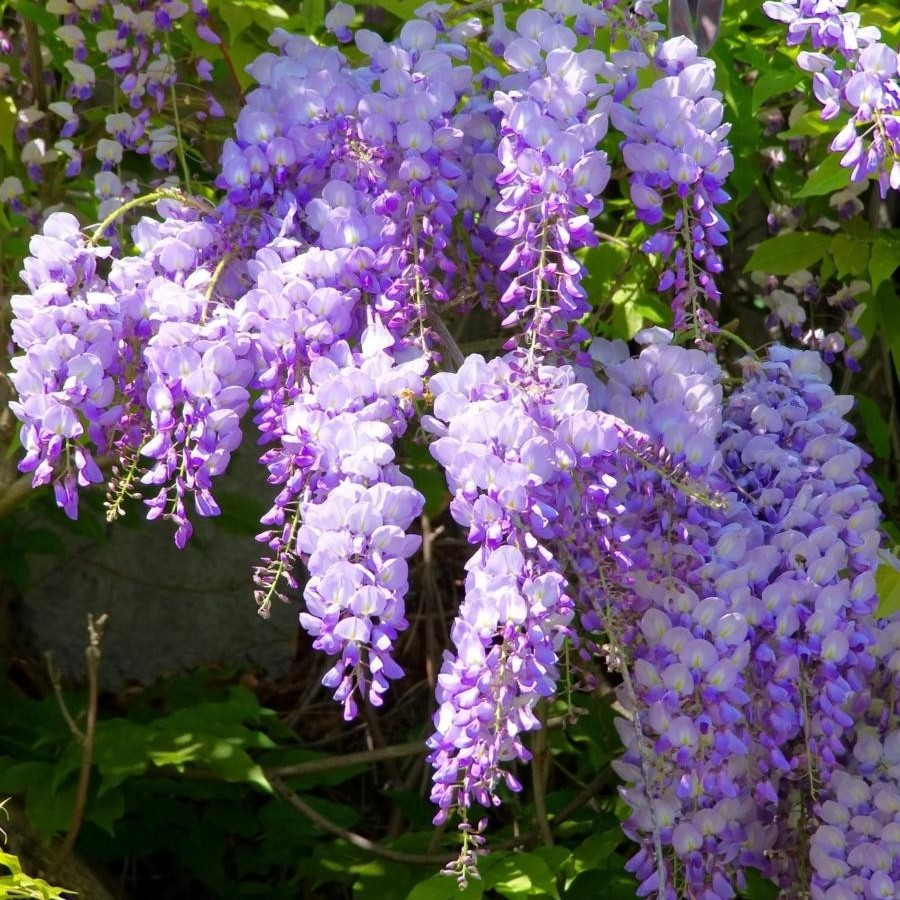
(712,538)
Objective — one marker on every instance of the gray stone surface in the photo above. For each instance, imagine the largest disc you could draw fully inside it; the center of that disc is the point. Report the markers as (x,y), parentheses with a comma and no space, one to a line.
(168,609)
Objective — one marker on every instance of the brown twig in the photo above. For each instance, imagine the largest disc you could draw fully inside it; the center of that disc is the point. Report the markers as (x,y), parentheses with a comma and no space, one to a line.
(14,495)
(446,338)
(36,67)
(539,770)
(92,654)
(229,62)
(357,840)
(56,683)
(347,760)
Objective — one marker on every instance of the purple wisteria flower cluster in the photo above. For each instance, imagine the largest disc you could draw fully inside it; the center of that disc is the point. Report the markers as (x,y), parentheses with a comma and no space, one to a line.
(555,112)
(675,146)
(853,70)
(507,436)
(712,538)
(128,43)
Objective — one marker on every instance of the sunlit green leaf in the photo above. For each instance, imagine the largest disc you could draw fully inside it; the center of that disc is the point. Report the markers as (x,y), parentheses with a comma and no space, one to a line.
(887,580)
(829,176)
(788,252)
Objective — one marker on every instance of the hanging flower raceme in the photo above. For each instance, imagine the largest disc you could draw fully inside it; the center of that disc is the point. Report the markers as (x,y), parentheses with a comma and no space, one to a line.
(510,440)
(852,70)
(345,507)
(135,50)
(554,114)
(68,326)
(853,850)
(379,158)
(652,557)
(788,448)
(675,146)
(145,363)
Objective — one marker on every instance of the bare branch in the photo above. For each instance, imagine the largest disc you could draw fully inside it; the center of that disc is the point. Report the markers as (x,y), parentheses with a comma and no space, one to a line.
(357,840)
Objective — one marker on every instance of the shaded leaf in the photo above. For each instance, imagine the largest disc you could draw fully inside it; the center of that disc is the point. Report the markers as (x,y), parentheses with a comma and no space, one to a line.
(883,261)
(851,257)
(444,887)
(877,430)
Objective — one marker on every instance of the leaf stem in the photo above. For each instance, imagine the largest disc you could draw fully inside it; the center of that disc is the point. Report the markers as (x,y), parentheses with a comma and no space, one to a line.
(144,200)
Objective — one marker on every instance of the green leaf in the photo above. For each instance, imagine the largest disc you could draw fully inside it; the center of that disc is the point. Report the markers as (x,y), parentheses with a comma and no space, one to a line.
(603,264)
(598,847)
(7,125)
(444,887)
(36,13)
(601,884)
(17,884)
(522,875)
(877,430)
(121,750)
(556,857)
(883,261)
(851,257)
(402,9)
(810,124)
(313,14)
(788,252)
(777,81)
(427,476)
(105,811)
(887,581)
(759,888)
(829,176)
(239,15)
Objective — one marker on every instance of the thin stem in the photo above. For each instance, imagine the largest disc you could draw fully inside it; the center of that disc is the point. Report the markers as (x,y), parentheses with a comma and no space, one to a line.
(114,505)
(186,172)
(213,281)
(613,239)
(92,654)
(357,840)
(689,263)
(417,287)
(145,200)
(456,355)
(281,564)
(56,682)
(229,62)
(538,298)
(737,339)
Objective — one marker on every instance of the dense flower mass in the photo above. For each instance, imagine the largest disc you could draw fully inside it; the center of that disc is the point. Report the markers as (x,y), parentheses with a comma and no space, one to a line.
(709,533)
